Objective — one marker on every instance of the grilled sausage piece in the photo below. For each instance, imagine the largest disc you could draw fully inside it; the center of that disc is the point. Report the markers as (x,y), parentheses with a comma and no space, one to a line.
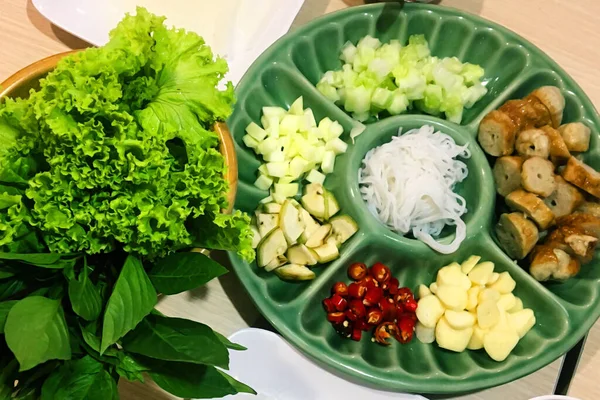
(582,176)
(589,207)
(497,134)
(576,136)
(517,235)
(533,143)
(554,100)
(564,199)
(537,176)
(507,174)
(559,152)
(532,206)
(549,262)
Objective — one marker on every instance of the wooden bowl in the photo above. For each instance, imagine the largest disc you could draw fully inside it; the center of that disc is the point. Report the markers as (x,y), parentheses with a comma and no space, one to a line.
(19,84)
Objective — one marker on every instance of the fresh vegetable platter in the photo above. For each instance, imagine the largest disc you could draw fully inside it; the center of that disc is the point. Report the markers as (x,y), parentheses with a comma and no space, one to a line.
(468,298)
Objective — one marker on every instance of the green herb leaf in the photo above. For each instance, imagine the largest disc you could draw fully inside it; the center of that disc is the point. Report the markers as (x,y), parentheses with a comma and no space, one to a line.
(237,385)
(88,332)
(229,344)
(83,379)
(5,307)
(11,287)
(179,272)
(176,339)
(40,259)
(131,300)
(192,380)
(130,369)
(85,297)
(36,332)
(5,274)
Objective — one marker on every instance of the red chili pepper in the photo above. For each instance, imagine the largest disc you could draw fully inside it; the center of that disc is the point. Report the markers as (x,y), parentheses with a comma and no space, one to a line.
(344,329)
(411,305)
(407,315)
(340,288)
(380,272)
(388,309)
(369,282)
(356,334)
(328,305)
(357,290)
(351,316)
(374,294)
(357,308)
(392,286)
(339,302)
(403,295)
(406,329)
(362,325)
(374,316)
(384,331)
(336,317)
(357,271)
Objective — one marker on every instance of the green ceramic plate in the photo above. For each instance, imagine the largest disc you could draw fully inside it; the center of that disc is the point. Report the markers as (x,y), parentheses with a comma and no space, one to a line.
(513,67)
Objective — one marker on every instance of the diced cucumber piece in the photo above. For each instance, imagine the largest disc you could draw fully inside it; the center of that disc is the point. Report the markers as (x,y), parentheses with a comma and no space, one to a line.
(295,272)
(328,162)
(315,176)
(286,189)
(273,129)
(289,125)
(335,130)
(255,236)
(290,222)
(266,223)
(297,107)
(297,166)
(300,254)
(276,263)
(266,200)
(263,169)
(348,53)
(358,99)
(325,127)
(286,179)
(273,245)
(273,112)
(310,118)
(314,135)
(382,98)
(318,154)
(331,205)
(263,182)
(399,103)
(278,198)
(328,91)
(314,188)
(342,228)
(275,156)
(256,131)
(250,141)
(327,252)
(318,237)
(268,146)
(277,169)
(310,225)
(337,145)
(271,208)
(264,121)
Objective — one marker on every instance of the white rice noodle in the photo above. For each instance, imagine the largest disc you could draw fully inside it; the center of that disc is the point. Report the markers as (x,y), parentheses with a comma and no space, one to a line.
(408,184)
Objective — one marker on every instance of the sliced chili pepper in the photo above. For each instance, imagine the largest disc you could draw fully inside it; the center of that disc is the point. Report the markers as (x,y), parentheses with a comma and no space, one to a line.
(362,325)
(384,331)
(369,282)
(410,305)
(339,302)
(357,271)
(344,329)
(406,315)
(406,329)
(380,272)
(388,309)
(374,294)
(391,286)
(357,308)
(403,295)
(374,316)
(351,316)
(356,334)
(340,288)
(357,290)
(328,305)
(337,317)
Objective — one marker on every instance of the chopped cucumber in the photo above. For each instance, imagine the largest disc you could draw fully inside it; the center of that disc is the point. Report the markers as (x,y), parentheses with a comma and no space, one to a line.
(276,263)
(274,156)
(250,141)
(277,169)
(273,128)
(266,223)
(342,228)
(266,200)
(335,130)
(256,131)
(274,112)
(263,182)
(295,272)
(328,163)
(271,246)
(318,238)
(289,125)
(327,252)
(310,118)
(272,208)
(278,198)
(315,176)
(286,189)
(290,222)
(286,179)
(297,166)
(297,107)
(337,145)
(268,146)
(300,254)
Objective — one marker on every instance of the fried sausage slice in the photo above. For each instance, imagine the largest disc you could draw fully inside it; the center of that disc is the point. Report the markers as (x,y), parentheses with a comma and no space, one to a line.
(564,199)
(507,174)
(517,235)
(583,176)
(537,176)
(532,206)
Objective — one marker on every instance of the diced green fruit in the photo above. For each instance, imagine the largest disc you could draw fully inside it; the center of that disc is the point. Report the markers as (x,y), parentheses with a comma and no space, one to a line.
(337,145)
(263,169)
(275,156)
(314,204)
(286,179)
(327,252)
(278,198)
(382,98)
(278,112)
(256,132)
(318,237)
(290,124)
(271,246)
(297,107)
(276,263)
(328,162)
(297,166)
(255,236)
(315,176)
(273,129)
(302,255)
(266,223)
(325,126)
(268,199)
(272,208)
(335,130)
(290,222)
(331,205)
(268,146)
(266,124)
(286,189)
(310,225)
(250,141)
(342,228)
(295,203)
(399,103)
(277,169)
(295,272)
(263,182)
(468,265)
(310,118)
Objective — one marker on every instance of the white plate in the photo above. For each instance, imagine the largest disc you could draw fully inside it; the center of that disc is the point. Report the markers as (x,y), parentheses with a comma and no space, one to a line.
(277,371)
(239,30)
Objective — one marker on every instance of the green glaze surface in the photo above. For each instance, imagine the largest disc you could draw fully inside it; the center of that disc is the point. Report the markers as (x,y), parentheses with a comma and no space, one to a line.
(513,67)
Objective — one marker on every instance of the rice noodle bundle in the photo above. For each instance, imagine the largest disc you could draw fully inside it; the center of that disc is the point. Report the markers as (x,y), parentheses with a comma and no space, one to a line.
(408,184)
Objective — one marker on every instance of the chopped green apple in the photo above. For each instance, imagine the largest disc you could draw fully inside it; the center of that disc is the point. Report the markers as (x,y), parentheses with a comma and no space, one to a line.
(315,204)
(286,189)
(302,255)
(277,112)
(250,141)
(266,223)
(337,145)
(342,228)
(276,263)
(327,252)
(256,132)
(290,222)
(263,182)
(318,237)
(331,205)
(255,236)
(297,107)
(310,225)
(328,162)
(295,272)
(277,169)
(315,176)
(271,246)
(275,156)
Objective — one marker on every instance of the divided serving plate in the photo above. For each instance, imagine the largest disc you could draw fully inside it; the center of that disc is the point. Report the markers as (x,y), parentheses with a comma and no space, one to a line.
(513,68)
